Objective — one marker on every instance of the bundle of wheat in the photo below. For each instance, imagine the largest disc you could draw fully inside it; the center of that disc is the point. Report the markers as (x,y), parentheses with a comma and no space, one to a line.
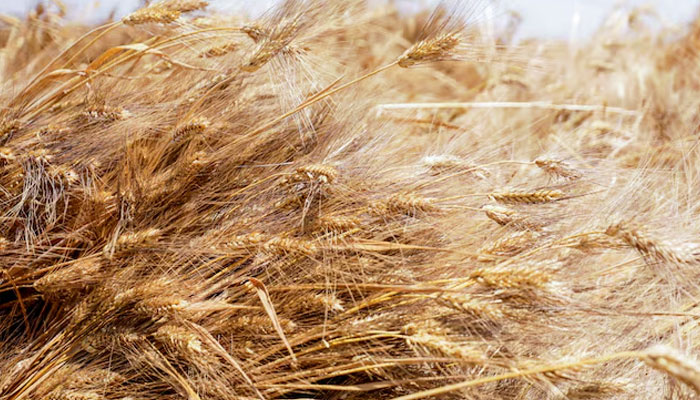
(200,206)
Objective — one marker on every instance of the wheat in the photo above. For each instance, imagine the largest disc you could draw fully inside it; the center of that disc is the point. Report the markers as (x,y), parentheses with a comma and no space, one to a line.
(338,223)
(319,172)
(523,197)
(69,280)
(288,245)
(153,14)
(218,207)
(668,360)
(481,310)
(129,241)
(164,12)
(516,277)
(255,32)
(194,127)
(99,113)
(179,339)
(557,168)
(7,155)
(510,244)
(434,49)
(439,343)
(646,246)
(8,128)
(219,50)
(161,306)
(410,204)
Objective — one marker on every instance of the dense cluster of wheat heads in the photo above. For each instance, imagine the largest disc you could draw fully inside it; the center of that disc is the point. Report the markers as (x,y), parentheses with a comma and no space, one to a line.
(340,201)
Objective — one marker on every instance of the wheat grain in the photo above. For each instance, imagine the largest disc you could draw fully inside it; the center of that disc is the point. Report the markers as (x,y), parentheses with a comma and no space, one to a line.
(557,168)
(523,197)
(179,339)
(510,244)
(219,50)
(320,172)
(194,127)
(668,360)
(338,223)
(434,49)
(646,246)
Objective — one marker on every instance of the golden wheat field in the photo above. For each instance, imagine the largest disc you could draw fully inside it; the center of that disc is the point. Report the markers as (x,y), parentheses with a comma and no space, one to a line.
(341,200)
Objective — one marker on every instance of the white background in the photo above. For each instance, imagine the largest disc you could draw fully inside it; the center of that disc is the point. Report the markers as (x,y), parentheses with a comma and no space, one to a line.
(541,18)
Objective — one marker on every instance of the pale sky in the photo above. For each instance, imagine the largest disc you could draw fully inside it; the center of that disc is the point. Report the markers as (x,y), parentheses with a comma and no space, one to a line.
(542,18)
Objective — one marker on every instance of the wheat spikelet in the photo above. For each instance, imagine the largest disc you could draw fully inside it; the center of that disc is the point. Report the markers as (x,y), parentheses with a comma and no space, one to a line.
(515,277)
(510,244)
(444,163)
(97,377)
(179,339)
(438,48)
(671,362)
(318,302)
(338,223)
(446,347)
(72,394)
(196,126)
(130,241)
(515,80)
(557,168)
(39,156)
(318,172)
(521,197)
(603,390)
(107,338)
(185,6)
(69,279)
(255,32)
(409,204)
(247,240)
(278,41)
(507,217)
(8,127)
(160,67)
(268,50)
(163,12)
(288,245)
(161,306)
(62,173)
(192,165)
(587,242)
(99,113)
(490,311)
(154,14)
(501,215)
(646,246)
(219,50)
(7,155)
(4,244)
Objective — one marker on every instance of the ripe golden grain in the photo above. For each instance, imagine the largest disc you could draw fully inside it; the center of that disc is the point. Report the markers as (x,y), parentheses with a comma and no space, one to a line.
(557,168)
(670,361)
(523,197)
(646,246)
(434,49)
